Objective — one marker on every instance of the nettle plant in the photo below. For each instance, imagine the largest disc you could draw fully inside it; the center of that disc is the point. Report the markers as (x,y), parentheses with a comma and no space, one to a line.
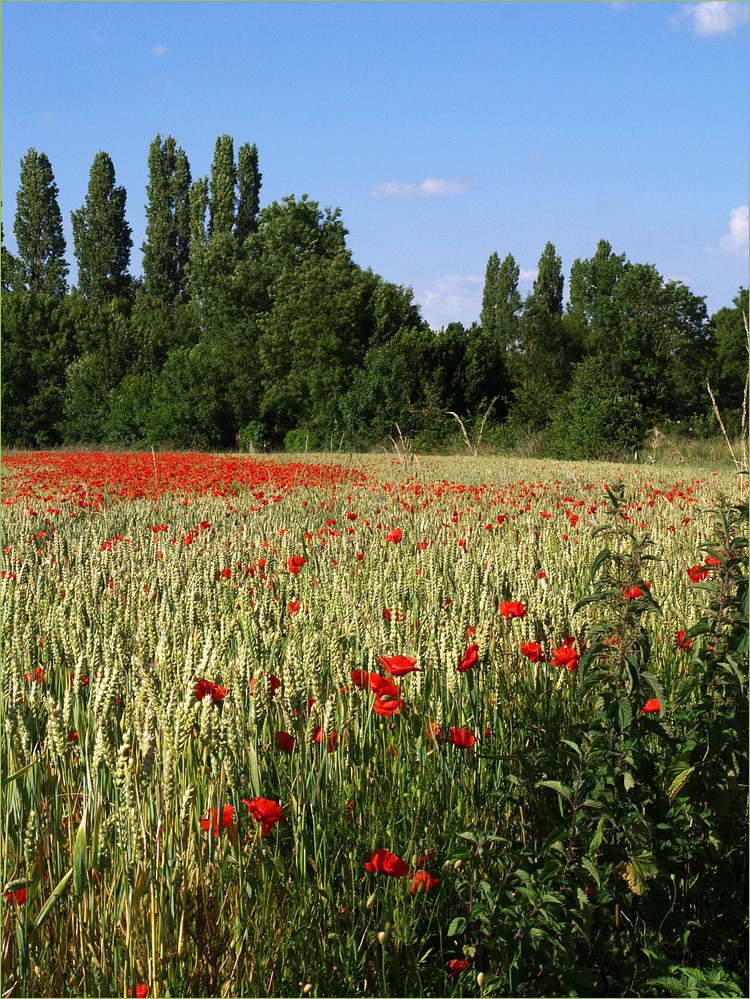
(647,854)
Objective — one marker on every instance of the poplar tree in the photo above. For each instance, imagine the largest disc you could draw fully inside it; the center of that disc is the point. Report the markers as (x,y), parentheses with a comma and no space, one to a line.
(501,301)
(41,265)
(248,192)
(548,287)
(101,235)
(223,182)
(166,248)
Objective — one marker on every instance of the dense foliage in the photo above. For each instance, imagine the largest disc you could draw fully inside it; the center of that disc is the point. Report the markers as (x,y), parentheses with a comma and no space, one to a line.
(256,324)
(445,728)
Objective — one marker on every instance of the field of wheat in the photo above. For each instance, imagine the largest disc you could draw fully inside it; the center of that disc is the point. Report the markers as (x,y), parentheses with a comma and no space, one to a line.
(288,727)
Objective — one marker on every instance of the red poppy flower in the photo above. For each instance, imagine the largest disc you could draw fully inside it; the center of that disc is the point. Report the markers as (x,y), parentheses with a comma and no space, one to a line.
(395,535)
(141,991)
(333,738)
(37,674)
(681,643)
(462,738)
(387,614)
(226,819)
(273,681)
(633,592)
(266,812)
(399,665)
(433,732)
(294,606)
(566,655)
(697,573)
(470,659)
(386,708)
(385,862)
(651,707)
(285,741)
(533,651)
(204,687)
(424,858)
(361,678)
(457,965)
(72,736)
(295,563)
(424,881)
(18,897)
(511,608)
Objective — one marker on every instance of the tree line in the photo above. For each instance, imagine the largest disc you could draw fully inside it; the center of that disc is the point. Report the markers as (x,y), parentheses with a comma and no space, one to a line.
(255,325)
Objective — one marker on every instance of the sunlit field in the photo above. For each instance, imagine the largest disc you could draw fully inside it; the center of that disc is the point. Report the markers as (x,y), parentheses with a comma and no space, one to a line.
(326,726)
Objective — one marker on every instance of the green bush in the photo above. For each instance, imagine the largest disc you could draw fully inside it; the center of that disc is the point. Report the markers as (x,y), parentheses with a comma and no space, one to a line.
(253,436)
(297,440)
(596,418)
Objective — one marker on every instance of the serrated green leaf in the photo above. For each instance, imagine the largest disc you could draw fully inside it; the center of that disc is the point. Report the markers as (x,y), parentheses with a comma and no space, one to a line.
(457,926)
(598,836)
(637,872)
(628,781)
(624,712)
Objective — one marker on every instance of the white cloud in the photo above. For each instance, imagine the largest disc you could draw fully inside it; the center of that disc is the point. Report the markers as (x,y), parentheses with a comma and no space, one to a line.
(160,50)
(735,242)
(714,17)
(453,299)
(427,189)
(527,277)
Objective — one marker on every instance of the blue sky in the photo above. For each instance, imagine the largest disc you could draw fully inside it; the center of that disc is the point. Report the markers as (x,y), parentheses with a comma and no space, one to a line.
(443,131)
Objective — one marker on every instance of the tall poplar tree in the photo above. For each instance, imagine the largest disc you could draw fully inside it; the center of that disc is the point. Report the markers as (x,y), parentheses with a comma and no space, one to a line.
(101,235)
(41,265)
(166,248)
(548,287)
(223,182)
(249,180)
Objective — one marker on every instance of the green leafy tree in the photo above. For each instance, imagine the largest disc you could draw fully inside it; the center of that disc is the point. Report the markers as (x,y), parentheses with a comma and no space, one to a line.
(540,362)
(198,209)
(501,301)
(38,229)
(222,188)
(596,418)
(289,234)
(313,337)
(730,358)
(107,348)
(168,228)
(593,283)
(249,180)
(101,235)
(548,286)
(37,344)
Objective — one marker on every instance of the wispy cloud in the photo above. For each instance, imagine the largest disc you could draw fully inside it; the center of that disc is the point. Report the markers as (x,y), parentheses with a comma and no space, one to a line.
(160,50)
(452,299)
(714,17)
(429,188)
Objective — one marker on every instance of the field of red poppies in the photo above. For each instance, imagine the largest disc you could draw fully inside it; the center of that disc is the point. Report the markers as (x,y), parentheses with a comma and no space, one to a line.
(405,727)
